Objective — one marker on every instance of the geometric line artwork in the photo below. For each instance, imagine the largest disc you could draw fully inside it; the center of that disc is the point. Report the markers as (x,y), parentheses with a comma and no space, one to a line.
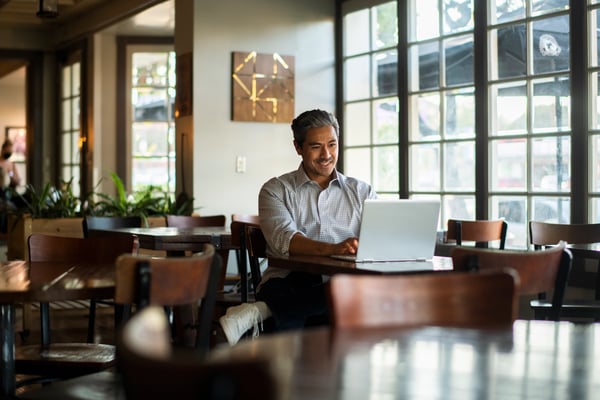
(262,87)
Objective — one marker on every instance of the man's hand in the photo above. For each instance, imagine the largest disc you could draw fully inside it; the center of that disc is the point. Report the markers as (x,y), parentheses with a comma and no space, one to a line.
(300,244)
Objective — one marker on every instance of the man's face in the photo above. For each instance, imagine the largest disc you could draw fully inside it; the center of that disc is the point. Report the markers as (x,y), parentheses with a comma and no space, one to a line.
(319,153)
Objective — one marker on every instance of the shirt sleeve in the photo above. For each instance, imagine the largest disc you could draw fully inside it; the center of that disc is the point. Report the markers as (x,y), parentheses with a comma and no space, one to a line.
(276,220)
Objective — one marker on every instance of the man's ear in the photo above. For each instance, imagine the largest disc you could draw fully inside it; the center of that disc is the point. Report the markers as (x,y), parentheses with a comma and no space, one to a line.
(298,148)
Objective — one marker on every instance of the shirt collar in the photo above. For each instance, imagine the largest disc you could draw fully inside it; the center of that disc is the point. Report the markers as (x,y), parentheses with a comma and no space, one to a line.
(301,178)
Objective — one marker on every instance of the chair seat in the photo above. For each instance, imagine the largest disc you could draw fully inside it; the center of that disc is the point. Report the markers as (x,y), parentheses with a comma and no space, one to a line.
(64,360)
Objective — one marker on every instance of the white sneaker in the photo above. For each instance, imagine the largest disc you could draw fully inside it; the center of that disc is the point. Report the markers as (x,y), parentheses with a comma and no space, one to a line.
(239,319)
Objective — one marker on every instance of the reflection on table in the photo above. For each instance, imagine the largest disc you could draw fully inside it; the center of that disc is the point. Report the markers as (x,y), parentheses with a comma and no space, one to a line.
(330,266)
(537,359)
(48,281)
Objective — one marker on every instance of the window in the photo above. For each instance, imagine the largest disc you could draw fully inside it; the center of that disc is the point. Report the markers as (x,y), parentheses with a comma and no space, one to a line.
(151,116)
(370,136)
(491,136)
(70,142)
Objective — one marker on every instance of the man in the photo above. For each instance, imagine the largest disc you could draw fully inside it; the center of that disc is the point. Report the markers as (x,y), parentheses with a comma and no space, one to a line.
(314,210)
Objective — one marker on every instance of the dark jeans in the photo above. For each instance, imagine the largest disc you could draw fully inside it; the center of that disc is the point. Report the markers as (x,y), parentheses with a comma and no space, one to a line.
(296,301)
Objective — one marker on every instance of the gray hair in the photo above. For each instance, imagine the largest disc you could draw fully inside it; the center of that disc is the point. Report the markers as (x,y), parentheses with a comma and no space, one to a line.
(312,119)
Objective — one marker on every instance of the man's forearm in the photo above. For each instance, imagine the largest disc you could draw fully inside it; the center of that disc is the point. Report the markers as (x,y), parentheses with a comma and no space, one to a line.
(300,244)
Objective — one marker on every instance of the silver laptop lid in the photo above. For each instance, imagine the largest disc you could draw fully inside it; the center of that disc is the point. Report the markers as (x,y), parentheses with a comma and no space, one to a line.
(398,230)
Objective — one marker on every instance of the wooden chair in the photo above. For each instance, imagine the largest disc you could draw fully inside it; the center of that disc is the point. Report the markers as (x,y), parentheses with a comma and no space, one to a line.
(257,250)
(91,223)
(172,281)
(540,272)
(545,234)
(239,241)
(94,222)
(152,369)
(54,360)
(479,231)
(457,299)
(192,221)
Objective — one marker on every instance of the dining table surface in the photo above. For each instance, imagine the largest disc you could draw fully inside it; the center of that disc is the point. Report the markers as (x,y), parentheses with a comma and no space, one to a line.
(174,239)
(44,282)
(533,360)
(325,265)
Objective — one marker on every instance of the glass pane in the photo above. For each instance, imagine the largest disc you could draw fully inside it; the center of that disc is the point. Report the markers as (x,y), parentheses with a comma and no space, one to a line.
(594,101)
(385,70)
(514,211)
(150,68)
(551,104)
(66,115)
(425,167)
(357,127)
(594,38)
(545,6)
(66,81)
(459,60)
(385,124)
(459,166)
(149,104)
(66,151)
(149,171)
(427,17)
(172,174)
(551,160)
(509,165)
(429,65)
(75,113)
(150,139)
(386,169)
(459,207)
(385,25)
(595,163)
(460,113)
(74,148)
(458,15)
(594,207)
(551,45)
(427,109)
(507,10)
(551,209)
(357,163)
(509,113)
(357,78)
(356,32)
(75,89)
(511,51)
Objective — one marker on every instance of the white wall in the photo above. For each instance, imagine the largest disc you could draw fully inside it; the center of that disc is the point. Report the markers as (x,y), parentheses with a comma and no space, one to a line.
(12,101)
(303,29)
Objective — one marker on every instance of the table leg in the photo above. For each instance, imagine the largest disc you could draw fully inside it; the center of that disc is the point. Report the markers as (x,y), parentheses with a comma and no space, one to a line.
(7,361)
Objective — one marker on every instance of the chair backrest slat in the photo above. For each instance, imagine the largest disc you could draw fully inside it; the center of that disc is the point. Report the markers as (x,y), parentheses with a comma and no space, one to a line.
(193,221)
(539,271)
(546,233)
(43,247)
(478,231)
(457,299)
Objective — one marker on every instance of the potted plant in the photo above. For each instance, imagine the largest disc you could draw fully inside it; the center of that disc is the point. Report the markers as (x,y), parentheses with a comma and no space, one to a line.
(52,210)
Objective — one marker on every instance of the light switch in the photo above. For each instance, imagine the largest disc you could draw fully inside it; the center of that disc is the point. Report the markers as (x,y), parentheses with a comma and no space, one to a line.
(240,164)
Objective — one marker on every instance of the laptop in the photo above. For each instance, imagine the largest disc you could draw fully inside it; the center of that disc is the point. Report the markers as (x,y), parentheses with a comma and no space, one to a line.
(396,230)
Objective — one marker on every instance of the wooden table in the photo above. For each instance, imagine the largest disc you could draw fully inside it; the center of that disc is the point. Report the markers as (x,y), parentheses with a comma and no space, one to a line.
(331,266)
(536,359)
(85,282)
(176,241)
(172,239)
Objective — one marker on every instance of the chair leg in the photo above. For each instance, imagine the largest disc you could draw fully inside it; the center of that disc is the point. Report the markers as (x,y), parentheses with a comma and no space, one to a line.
(45,323)
(91,322)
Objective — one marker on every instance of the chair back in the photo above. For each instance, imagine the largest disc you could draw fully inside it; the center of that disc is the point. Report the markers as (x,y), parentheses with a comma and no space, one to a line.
(257,250)
(171,281)
(150,368)
(44,247)
(549,234)
(193,221)
(239,241)
(456,299)
(479,231)
(99,223)
(539,271)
